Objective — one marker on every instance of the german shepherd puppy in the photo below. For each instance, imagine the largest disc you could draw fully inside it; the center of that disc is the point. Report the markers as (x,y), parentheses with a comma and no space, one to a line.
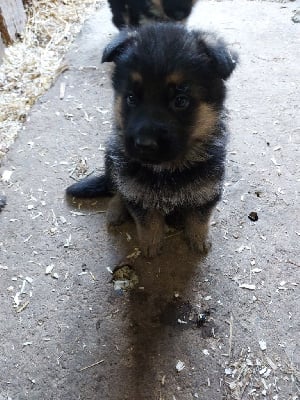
(166,157)
(138,12)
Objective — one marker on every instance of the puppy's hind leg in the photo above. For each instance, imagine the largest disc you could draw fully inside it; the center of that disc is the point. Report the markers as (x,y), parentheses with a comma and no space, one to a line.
(196,227)
(117,212)
(150,226)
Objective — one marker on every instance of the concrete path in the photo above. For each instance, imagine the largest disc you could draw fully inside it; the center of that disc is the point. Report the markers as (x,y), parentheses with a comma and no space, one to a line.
(231,318)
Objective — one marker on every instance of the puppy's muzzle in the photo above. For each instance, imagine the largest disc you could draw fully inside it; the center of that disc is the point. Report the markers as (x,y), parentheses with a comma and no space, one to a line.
(146,144)
(153,141)
(148,140)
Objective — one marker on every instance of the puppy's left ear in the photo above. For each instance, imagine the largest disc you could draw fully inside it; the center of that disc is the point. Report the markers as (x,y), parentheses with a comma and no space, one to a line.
(222,60)
(118,45)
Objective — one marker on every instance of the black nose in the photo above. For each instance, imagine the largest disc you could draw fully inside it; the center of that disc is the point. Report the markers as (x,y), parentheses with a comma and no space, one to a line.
(146,143)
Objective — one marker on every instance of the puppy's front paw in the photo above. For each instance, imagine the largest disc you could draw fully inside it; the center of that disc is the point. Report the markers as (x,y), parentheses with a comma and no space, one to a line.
(197,233)
(199,244)
(115,217)
(151,249)
(116,213)
(150,229)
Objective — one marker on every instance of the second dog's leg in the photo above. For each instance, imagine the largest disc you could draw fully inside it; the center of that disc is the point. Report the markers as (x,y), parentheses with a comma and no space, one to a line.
(118,11)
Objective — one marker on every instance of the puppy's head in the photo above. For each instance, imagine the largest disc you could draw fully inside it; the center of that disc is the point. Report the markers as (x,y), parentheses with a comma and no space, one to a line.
(169,89)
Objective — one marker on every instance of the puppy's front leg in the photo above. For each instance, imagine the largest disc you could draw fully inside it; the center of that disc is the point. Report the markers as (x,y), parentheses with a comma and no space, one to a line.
(117,212)
(150,226)
(196,227)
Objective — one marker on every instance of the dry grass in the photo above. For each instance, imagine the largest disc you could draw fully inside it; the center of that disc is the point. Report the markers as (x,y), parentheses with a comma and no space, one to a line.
(32,64)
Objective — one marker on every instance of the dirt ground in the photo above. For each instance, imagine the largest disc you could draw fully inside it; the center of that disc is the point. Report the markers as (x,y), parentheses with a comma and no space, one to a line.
(231,318)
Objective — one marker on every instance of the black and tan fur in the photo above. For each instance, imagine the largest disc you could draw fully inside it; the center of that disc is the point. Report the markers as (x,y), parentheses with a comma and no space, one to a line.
(138,12)
(166,157)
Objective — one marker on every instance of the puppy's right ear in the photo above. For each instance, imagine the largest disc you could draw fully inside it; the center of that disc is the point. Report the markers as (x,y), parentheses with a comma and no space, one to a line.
(118,45)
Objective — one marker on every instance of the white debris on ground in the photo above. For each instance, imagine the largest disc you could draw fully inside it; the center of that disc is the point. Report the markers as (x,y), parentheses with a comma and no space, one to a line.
(180,366)
(254,376)
(263,345)
(6,175)
(24,292)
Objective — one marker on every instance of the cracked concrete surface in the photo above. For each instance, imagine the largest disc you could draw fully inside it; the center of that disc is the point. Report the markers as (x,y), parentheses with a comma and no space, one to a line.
(68,334)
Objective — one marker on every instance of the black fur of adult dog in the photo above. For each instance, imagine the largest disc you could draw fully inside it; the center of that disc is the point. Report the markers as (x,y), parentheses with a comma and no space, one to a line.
(167,154)
(137,12)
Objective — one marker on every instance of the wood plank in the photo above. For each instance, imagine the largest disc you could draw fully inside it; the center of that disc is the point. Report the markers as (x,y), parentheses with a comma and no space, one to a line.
(12,19)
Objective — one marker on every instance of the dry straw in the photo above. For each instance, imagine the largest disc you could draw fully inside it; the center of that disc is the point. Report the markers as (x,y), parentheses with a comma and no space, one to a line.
(33,63)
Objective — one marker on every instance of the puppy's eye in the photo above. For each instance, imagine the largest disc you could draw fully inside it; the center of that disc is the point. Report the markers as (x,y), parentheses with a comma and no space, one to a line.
(131,100)
(181,102)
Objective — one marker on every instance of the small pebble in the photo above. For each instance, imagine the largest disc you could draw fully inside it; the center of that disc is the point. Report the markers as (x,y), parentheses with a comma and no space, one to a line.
(296,16)
(253,216)
(2,202)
